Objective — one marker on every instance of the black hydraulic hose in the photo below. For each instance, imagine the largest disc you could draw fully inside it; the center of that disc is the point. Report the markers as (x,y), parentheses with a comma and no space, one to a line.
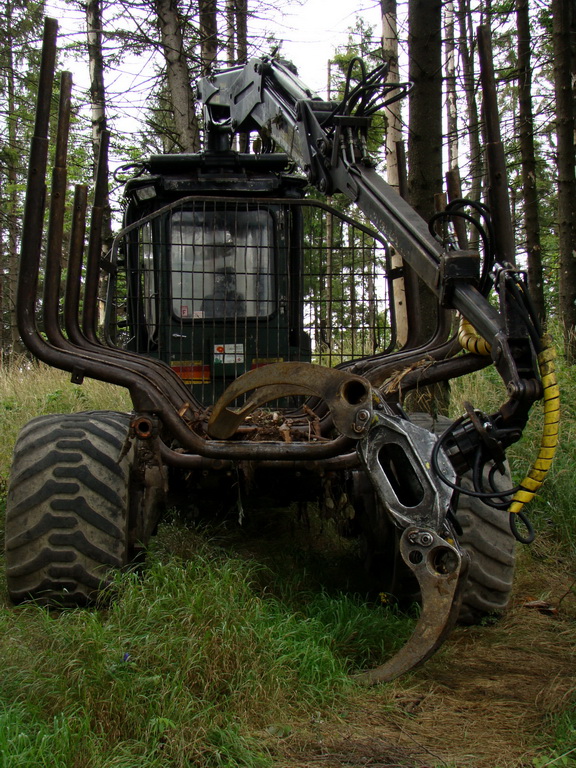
(436,466)
(530,536)
(486,231)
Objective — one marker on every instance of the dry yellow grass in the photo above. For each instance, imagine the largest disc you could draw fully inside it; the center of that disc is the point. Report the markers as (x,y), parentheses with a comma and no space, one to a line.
(30,389)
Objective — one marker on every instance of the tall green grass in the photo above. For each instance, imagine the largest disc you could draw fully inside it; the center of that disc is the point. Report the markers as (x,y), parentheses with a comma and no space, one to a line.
(190,664)
(27,740)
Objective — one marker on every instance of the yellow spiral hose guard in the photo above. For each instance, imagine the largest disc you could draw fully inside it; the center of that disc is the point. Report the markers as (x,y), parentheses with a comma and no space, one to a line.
(535,477)
(472,342)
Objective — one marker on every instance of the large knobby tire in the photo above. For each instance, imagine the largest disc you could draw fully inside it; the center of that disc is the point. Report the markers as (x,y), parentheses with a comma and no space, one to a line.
(67,507)
(488,540)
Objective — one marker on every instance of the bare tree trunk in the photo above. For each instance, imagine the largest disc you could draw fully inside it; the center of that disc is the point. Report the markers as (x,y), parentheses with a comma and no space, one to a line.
(497,177)
(242,31)
(230,33)
(178,76)
(4,312)
(526,135)
(425,156)
(573,65)
(391,113)
(563,23)
(452,109)
(12,217)
(236,31)
(96,69)
(466,43)
(241,7)
(98,105)
(425,104)
(425,126)
(393,137)
(208,34)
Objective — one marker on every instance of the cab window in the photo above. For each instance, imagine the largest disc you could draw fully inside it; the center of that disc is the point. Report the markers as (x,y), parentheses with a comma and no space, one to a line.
(222,264)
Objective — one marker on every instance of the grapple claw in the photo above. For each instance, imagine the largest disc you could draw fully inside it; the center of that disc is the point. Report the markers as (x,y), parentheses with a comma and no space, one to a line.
(441,571)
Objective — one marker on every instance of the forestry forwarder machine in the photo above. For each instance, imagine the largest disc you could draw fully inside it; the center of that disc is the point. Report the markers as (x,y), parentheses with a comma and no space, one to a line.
(255,330)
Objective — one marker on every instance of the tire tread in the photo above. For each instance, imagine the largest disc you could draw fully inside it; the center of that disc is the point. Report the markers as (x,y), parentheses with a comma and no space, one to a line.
(488,541)
(67,507)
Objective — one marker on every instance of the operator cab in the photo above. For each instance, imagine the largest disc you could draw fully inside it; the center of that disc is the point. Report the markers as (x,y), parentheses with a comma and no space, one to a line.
(229,268)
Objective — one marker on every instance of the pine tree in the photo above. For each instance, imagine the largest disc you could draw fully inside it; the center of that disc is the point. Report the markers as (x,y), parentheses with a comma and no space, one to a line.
(21,29)
(564,21)
(528,156)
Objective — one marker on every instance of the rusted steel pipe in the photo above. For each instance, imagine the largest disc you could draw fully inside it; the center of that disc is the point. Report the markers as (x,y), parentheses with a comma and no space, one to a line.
(195,462)
(95,351)
(55,232)
(52,276)
(74,275)
(32,228)
(53,271)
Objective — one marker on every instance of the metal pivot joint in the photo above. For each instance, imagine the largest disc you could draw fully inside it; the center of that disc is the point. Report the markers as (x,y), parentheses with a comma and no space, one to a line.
(349,397)
(396,455)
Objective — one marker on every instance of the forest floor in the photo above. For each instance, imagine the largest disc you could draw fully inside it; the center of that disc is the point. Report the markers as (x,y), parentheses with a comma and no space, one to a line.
(490,698)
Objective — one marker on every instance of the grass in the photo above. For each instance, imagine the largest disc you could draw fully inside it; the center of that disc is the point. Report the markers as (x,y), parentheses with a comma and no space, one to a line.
(563,754)
(26,741)
(191,661)
(213,658)
(185,656)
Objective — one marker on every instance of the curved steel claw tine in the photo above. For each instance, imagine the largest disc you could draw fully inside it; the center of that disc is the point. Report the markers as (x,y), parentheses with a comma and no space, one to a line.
(348,396)
(441,570)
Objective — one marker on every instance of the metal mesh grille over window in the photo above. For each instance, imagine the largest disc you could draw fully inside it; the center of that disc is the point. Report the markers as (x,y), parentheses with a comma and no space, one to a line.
(215,288)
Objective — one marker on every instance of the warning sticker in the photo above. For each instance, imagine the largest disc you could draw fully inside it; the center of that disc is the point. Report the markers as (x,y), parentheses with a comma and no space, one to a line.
(228,353)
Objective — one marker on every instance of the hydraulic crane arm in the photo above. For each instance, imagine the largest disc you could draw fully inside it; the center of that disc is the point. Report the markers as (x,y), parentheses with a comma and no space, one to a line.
(328,141)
